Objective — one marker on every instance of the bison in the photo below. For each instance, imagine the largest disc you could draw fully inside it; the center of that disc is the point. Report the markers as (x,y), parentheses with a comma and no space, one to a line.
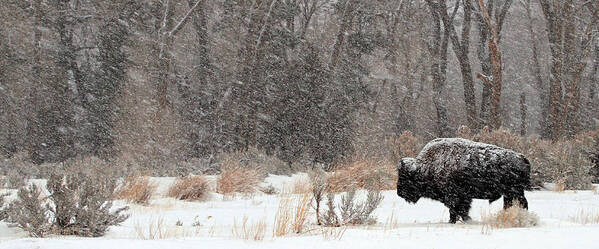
(454,171)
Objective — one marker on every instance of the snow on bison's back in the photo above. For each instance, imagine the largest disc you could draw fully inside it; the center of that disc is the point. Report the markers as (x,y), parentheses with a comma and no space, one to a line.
(455,171)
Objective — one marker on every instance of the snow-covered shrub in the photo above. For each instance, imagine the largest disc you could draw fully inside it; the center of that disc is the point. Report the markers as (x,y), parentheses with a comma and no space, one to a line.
(364,174)
(80,204)
(514,216)
(77,204)
(27,212)
(351,212)
(136,189)
(569,166)
(192,188)
(234,178)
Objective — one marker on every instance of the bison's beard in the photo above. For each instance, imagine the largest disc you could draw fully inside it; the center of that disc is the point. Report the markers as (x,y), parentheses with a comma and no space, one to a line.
(410,195)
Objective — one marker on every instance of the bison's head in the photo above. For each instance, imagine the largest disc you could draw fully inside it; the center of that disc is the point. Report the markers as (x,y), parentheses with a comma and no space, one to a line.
(407,180)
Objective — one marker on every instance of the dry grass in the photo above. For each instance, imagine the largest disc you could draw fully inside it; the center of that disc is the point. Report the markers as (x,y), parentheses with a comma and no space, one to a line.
(192,188)
(514,216)
(333,233)
(137,190)
(301,213)
(254,231)
(586,217)
(391,223)
(283,218)
(292,215)
(362,174)
(236,179)
(300,185)
(560,186)
(406,145)
(157,229)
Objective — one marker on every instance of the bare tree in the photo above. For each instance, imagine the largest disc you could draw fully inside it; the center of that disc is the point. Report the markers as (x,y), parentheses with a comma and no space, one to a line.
(497,11)
(569,26)
(438,49)
(537,70)
(497,68)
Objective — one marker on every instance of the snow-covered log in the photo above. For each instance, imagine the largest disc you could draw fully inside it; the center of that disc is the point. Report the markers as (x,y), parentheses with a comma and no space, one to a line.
(454,171)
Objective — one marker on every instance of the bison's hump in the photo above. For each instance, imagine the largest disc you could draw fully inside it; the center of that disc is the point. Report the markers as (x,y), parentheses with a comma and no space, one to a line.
(459,150)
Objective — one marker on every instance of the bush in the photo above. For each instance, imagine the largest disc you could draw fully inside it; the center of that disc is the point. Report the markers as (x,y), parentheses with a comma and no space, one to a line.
(236,179)
(78,204)
(363,174)
(350,212)
(81,204)
(193,188)
(28,213)
(137,190)
(570,167)
(514,216)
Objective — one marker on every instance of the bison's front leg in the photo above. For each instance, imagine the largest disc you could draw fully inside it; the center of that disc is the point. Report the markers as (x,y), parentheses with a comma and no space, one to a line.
(459,209)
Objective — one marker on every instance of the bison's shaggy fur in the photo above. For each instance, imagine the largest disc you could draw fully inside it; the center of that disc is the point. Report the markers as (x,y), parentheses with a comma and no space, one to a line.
(454,171)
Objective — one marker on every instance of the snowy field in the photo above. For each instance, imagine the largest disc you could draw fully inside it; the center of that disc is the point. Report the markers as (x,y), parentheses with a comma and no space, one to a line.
(568,220)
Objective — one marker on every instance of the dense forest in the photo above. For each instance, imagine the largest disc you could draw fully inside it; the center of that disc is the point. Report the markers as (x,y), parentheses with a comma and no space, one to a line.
(153,82)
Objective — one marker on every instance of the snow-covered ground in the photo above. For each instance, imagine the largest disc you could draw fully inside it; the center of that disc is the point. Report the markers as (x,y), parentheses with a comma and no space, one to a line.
(400,225)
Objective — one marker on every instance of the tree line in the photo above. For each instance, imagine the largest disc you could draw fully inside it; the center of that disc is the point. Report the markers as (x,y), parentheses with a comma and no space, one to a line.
(312,80)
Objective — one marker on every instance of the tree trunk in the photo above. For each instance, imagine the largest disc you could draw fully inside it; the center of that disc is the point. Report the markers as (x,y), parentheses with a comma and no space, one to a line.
(461,49)
(496,66)
(523,109)
(345,24)
(538,75)
(439,68)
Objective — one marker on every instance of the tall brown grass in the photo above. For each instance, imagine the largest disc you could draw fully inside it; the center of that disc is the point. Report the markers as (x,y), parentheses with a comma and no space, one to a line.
(136,189)
(237,179)
(249,231)
(292,215)
(193,188)
(362,174)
